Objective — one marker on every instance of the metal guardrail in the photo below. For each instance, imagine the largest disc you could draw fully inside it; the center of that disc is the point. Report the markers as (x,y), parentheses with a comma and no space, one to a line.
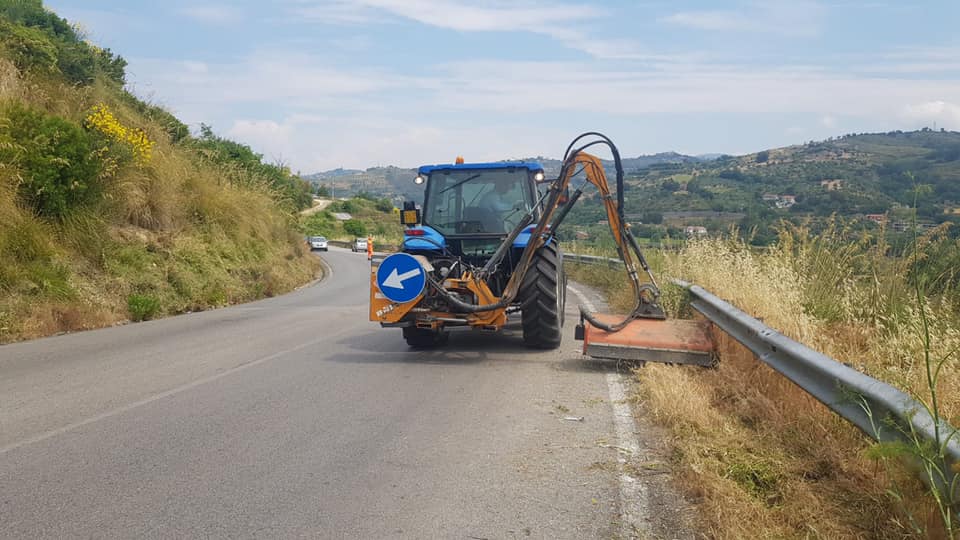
(883,412)
(590,259)
(379,247)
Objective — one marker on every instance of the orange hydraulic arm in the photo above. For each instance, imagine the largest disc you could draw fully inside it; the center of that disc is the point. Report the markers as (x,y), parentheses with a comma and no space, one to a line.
(557,204)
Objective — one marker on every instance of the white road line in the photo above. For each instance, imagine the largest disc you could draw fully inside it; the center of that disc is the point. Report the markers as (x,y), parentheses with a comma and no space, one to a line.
(583,298)
(634,502)
(156,397)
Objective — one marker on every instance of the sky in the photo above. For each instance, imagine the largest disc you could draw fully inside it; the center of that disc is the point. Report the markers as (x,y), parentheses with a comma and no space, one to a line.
(321,84)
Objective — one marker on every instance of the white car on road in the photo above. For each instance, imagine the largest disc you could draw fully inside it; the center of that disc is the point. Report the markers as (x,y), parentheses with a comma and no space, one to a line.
(318,242)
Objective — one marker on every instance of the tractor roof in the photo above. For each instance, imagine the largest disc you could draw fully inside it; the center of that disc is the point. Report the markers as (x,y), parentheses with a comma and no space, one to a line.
(531,166)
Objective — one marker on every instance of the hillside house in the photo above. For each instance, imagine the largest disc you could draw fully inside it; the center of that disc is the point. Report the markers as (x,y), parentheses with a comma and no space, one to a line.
(831,185)
(786,201)
(780,201)
(904,226)
(694,230)
(879,219)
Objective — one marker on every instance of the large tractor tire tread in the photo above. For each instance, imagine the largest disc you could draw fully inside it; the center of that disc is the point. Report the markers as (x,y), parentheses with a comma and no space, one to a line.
(542,297)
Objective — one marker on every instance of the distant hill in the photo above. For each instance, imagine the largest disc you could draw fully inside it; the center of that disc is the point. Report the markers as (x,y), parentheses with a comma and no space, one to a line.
(894,178)
(332,173)
(392,182)
(398,182)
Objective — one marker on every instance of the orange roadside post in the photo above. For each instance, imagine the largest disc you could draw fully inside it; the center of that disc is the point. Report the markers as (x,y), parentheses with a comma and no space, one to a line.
(369,248)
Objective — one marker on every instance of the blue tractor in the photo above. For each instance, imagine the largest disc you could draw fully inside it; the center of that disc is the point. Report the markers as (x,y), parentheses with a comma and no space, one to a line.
(476,222)
(483,249)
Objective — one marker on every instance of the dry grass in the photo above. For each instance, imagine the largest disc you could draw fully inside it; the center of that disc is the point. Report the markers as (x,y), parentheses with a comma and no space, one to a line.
(175,229)
(764,458)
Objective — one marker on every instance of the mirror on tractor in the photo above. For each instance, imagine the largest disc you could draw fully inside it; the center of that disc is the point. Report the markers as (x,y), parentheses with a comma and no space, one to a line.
(410,215)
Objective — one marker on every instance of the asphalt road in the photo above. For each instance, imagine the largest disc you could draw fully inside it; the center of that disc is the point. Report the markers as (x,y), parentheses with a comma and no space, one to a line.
(294,416)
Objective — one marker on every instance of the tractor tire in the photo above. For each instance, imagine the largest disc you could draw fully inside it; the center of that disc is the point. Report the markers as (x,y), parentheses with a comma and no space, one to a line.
(543,295)
(422,338)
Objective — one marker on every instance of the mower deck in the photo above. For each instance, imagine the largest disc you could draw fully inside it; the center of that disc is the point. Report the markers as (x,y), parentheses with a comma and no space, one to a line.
(651,340)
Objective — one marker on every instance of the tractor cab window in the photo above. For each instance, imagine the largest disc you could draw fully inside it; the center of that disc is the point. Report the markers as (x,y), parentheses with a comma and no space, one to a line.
(477,201)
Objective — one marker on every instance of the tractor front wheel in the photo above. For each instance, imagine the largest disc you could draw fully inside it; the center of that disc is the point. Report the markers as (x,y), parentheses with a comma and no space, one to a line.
(542,298)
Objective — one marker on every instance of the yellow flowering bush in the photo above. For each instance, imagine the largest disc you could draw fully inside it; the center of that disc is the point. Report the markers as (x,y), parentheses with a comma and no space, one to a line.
(102,120)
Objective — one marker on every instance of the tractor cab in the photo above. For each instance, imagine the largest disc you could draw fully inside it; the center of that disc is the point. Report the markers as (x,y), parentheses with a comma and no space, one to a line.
(478,199)
(469,208)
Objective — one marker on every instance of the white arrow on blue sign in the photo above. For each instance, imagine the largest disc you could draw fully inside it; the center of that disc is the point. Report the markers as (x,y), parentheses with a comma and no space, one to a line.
(401,278)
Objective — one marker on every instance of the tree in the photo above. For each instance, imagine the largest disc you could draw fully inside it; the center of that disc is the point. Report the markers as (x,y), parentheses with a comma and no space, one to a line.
(323,191)
(763,156)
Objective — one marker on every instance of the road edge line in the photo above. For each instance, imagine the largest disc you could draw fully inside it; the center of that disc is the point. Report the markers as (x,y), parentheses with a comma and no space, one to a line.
(634,500)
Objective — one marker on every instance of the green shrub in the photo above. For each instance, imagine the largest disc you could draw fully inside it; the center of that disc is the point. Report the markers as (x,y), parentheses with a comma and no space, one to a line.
(385,205)
(29,48)
(349,206)
(142,306)
(37,37)
(55,157)
(355,227)
(319,224)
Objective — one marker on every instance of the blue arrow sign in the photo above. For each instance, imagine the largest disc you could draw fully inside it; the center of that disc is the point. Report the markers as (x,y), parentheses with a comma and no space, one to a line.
(401,278)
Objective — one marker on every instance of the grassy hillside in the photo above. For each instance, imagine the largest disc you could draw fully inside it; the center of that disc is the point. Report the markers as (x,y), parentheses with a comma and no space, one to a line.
(396,182)
(907,177)
(369,217)
(109,209)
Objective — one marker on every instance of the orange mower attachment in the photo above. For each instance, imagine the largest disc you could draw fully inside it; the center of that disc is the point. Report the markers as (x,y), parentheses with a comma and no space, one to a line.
(674,341)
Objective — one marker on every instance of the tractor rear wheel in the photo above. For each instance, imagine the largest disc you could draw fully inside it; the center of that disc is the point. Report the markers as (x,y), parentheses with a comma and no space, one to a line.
(542,298)
(423,338)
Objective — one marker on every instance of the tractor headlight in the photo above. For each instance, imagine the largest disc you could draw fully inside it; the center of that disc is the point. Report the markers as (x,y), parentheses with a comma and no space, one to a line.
(538,177)
(419,179)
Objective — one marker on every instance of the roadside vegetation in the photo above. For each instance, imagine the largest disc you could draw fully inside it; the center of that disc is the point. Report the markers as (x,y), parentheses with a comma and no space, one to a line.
(369,216)
(109,209)
(763,458)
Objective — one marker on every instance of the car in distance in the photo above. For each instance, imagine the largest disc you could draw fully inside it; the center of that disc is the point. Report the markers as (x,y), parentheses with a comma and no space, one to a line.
(359,244)
(318,242)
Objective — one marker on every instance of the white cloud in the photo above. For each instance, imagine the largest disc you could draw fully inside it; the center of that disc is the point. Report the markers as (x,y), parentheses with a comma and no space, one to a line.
(213,13)
(560,21)
(565,87)
(784,17)
(353,44)
(195,67)
(942,113)
(471,16)
(322,116)
(291,78)
(312,143)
